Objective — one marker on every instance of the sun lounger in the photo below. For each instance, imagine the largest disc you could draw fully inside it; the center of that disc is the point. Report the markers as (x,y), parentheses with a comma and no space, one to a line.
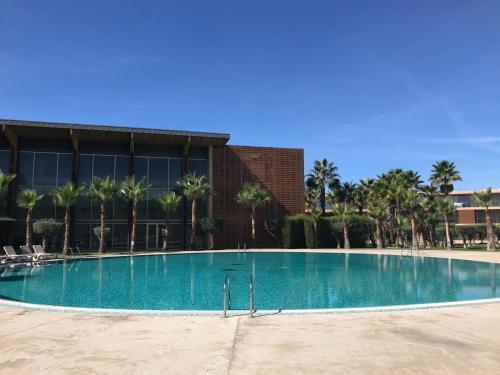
(10,254)
(38,249)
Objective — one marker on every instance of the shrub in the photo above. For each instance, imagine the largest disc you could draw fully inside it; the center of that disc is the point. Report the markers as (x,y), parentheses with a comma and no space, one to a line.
(292,232)
(46,228)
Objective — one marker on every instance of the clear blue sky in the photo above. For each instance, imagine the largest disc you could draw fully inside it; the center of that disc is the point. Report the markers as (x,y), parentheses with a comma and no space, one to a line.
(368,84)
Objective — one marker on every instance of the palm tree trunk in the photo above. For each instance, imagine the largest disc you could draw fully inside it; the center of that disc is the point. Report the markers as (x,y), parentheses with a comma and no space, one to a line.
(103,223)
(447,230)
(322,200)
(29,229)
(347,245)
(490,235)
(67,223)
(193,224)
(399,237)
(431,236)
(134,221)
(167,233)
(413,233)
(378,225)
(252,217)
(211,241)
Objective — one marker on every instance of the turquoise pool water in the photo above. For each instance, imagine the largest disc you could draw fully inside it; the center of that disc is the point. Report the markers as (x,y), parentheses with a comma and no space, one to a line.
(282,281)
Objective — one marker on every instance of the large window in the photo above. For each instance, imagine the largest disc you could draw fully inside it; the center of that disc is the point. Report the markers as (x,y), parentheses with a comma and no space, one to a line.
(162,174)
(44,171)
(462,200)
(93,165)
(4,167)
(481,218)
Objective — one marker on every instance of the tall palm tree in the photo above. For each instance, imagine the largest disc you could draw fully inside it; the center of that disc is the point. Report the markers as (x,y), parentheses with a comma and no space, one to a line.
(444,173)
(253,196)
(347,192)
(169,203)
(412,202)
(134,191)
(446,207)
(102,191)
(377,210)
(485,199)
(194,188)
(66,196)
(28,199)
(323,175)
(344,212)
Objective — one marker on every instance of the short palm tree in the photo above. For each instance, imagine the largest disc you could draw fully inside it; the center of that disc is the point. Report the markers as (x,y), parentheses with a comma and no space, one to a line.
(344,212)
(253,196)
(211,225)
(411,203)
(323,174)
(429,208)
(5,180)
(66,196)
(134,191)
(169,203)
(315,214)
(102,191)
(485,199)
(444,174)
(377,210)
(28,199)
(446,208)
(194,188)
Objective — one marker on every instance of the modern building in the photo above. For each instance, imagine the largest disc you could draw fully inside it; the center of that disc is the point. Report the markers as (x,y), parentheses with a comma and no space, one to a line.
(44,155)
(469,213)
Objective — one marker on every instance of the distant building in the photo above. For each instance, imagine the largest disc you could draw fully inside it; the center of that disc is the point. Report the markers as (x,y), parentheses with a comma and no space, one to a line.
(45,155)
(469,213)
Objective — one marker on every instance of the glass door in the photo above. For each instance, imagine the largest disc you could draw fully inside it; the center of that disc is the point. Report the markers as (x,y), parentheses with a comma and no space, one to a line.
(152,237)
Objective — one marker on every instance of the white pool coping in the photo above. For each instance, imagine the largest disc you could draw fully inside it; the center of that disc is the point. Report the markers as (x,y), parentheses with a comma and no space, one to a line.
(4,303)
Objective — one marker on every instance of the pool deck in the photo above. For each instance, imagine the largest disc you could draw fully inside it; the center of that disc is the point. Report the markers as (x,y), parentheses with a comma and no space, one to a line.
(451,340)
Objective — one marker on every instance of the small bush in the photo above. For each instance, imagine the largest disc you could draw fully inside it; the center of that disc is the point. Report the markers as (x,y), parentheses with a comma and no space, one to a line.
(46,228)
(292,232)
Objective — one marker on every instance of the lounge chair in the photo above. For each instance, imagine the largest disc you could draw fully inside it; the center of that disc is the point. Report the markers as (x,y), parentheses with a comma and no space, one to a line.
(40,254)
(10,254)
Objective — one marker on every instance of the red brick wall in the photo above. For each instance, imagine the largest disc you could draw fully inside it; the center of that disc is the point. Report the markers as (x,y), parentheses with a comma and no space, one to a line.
(279,170)
(466,217)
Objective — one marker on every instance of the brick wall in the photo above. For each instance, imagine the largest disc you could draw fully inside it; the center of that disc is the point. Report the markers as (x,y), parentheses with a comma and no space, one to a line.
(279,170)
(466,217)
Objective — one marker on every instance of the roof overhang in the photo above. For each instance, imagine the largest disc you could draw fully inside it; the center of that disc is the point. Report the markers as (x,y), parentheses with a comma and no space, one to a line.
(106,133)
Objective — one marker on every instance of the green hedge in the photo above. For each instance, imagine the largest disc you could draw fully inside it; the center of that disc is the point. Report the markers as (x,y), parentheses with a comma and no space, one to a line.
(298,232)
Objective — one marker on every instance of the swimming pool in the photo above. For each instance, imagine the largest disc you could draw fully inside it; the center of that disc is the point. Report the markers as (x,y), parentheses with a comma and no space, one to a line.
(283,280)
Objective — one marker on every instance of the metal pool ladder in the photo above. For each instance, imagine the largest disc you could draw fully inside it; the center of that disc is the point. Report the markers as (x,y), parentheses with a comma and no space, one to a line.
(251,296)
(227,296)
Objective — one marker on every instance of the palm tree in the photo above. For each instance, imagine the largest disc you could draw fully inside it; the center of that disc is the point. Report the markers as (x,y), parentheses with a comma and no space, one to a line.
(66,196)
(28,199)
(169,203)
(429,208)
(253,196)
(412,202)
(443,175)
(323,175)
(210,225)
(5,180)
(446,207)
(134,191)
(315,215)
(194,188)
(102,191)
(485,199)
(311,198)
(344,213)
(377,210)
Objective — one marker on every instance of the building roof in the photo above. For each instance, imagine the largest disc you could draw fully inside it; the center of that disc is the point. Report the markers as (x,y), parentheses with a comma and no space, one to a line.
(35,128)
(470,192)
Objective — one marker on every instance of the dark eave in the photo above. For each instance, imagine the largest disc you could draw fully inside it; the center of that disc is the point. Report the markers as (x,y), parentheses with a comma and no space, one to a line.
(110,133)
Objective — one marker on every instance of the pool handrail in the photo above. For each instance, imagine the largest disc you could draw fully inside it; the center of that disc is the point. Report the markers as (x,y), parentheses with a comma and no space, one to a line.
(227,295)
(251,296)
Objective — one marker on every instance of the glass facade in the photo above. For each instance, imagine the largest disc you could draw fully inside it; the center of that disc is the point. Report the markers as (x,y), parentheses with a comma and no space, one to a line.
(162,174)
(87,212)
(481,218)
(4,167)
(45,167)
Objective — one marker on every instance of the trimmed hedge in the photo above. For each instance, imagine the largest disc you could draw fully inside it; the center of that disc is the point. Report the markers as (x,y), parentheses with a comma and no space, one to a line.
(298,232)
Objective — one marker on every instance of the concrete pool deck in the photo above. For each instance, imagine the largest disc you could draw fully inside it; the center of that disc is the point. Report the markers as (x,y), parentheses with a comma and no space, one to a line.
(452,340)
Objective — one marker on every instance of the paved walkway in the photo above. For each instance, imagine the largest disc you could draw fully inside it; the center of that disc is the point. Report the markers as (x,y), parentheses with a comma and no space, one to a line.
(457,340)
